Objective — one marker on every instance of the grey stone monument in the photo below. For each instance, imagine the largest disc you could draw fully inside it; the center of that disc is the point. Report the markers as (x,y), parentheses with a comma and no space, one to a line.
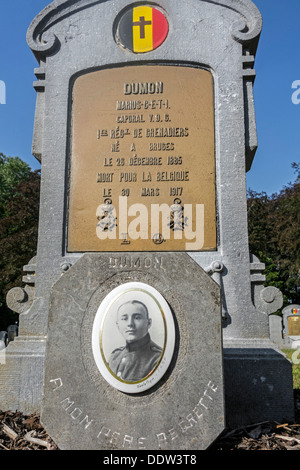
(145,104)
(184,409)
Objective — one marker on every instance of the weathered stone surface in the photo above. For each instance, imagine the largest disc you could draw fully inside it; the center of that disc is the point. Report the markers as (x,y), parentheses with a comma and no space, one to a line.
(184,410)
(251,375)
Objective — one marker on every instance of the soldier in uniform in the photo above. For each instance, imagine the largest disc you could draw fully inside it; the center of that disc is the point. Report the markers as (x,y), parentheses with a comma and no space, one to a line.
(137,359)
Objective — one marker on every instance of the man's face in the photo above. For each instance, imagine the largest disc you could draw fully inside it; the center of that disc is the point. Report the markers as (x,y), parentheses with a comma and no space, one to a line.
(133,322)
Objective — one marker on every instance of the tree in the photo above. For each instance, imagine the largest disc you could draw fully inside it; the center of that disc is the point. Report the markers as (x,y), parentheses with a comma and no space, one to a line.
(274,236)
(18,229)
(12,171)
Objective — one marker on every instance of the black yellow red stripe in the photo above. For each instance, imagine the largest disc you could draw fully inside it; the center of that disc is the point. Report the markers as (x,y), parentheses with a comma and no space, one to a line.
(142,29)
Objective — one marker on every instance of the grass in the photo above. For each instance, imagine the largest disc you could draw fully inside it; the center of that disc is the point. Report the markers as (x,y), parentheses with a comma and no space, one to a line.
(296,367)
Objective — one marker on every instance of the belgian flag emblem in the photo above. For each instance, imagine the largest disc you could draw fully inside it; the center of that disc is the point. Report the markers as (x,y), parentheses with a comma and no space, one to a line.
(142,29)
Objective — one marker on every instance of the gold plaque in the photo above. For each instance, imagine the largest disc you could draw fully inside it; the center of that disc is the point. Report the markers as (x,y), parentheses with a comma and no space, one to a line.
(142,164)
(294,325)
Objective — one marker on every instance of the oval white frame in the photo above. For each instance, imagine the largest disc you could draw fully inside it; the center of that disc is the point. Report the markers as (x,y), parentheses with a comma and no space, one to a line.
(169,338)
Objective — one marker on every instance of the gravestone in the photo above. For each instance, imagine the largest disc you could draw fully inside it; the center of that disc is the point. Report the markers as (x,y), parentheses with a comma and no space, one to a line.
(88,404)
(285,329)
(145,129)
(12,332)
(291,326)
(3,340)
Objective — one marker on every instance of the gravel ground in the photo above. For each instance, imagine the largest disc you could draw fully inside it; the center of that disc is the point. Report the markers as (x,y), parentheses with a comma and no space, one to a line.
(20,432)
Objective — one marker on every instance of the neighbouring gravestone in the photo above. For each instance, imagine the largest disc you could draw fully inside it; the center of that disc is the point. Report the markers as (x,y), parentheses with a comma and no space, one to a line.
(145,128)
(3,340)
(291,326)
(285,329)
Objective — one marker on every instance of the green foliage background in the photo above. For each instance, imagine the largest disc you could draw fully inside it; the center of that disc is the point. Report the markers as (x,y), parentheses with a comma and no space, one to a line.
(19,208)
(295,367)
(274,236)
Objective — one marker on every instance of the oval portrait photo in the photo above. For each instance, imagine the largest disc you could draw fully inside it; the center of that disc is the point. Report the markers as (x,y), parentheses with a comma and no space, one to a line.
(133,337)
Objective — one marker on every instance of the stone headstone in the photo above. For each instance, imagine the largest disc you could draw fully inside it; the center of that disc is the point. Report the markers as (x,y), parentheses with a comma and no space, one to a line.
(285,328)
(90,405)
(3,340)
(291,326)
(145,129)
(12,332)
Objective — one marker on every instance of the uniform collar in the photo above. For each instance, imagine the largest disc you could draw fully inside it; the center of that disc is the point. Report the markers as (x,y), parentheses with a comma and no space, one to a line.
(140,343)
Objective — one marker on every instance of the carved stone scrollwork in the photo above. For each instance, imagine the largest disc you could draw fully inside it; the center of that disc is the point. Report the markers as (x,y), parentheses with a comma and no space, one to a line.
(40,39)
(247,29)
(40,42)
(43,42)
(19,299)
(266,299)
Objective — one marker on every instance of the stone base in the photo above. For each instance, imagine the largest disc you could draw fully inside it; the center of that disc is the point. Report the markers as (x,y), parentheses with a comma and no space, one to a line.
(258,383)
(21,375)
